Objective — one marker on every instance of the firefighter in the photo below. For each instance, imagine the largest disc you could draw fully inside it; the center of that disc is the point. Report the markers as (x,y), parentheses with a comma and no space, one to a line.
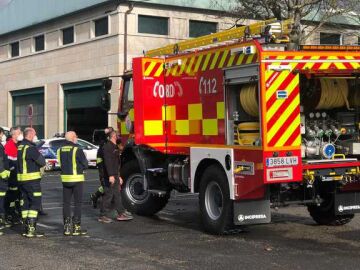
(72,162)
(112,183)
(13,199)
(100,165)
(29,163)
(4,175)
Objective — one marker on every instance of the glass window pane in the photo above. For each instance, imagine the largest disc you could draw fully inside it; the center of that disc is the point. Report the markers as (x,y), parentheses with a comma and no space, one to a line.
(199,28)
(101,27)
(68,35)
(39,43)
(330,39)
(153,25)
(15,49)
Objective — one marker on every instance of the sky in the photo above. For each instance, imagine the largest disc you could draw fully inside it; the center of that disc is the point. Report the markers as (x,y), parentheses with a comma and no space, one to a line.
(4,3)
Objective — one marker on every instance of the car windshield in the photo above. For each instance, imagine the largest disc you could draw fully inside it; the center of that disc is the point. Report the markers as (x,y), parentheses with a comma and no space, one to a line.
(55,145)
(85,145)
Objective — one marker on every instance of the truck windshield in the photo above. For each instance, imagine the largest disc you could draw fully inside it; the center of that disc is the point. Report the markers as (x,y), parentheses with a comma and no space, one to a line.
(128,95)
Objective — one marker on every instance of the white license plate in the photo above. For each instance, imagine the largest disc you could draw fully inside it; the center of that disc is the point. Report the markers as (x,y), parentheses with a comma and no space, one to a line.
(281,161)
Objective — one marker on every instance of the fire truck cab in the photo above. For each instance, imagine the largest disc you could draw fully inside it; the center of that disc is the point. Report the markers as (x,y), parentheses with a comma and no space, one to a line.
(248,124)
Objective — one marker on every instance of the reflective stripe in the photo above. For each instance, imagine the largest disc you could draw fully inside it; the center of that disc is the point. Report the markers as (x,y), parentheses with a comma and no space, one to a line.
(72,178)
(21,202)
(37,194)
(101,189)
(32,214)
(74,161)
(24,213)
(58,156)
(5,174)
(12,204)
(24,159)
(2,194)
(28,176)
(99,160)
(13,188)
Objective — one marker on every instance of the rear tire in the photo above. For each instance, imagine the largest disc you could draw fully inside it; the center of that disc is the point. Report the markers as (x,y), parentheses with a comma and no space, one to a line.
(134,197)
(216,208)
(325,214)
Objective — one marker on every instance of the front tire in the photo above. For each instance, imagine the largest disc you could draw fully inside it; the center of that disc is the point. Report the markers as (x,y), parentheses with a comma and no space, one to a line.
(135,196)
(216,208)
(325,214)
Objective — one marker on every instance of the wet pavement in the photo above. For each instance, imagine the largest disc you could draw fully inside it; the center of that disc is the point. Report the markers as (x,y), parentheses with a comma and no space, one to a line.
(173,239)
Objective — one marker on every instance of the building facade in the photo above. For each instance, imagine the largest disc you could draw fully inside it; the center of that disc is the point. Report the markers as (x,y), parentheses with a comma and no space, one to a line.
(54,55)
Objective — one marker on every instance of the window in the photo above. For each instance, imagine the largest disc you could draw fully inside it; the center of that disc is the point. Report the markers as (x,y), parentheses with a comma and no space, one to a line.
(101,27)
(14,49)
(68,35)
(39,43)
(153,25)
(330,39)
(199,28)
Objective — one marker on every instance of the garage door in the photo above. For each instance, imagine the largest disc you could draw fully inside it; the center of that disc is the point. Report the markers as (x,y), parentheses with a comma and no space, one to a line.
(83,112)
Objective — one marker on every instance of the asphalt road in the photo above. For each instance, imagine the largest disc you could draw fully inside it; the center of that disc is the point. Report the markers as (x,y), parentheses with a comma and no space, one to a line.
(174,240)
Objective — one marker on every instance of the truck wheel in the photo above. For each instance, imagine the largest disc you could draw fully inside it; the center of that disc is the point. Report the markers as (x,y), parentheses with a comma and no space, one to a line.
(216,208)
(134,196)
(325,214)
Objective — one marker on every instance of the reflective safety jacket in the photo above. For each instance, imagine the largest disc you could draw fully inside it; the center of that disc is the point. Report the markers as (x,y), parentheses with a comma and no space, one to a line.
(4,164)
(29,162)
(72,162)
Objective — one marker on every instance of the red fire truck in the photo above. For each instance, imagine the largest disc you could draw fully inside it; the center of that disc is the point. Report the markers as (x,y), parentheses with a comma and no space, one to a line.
(246,121)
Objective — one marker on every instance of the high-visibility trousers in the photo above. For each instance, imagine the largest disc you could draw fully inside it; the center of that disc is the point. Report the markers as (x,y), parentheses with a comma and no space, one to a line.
(31,193)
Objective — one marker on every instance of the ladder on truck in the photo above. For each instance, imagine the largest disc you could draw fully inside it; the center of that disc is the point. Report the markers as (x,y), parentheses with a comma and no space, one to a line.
(271,27)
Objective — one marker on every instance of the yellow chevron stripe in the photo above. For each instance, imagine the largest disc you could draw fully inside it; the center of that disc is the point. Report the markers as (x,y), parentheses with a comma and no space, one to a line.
(222,61)
(274,108)
(355,65)
(159,70)
(213,63)
(297,141)
(183,66)
(241,58)
(275,85)
(174,70)
(192,60)
(294,125)
(309,65)
(149,68)
(268,74)
(324,66)
(250,58)
(198,63)
(207,59)
(340,65)
(275,128)
(231,60)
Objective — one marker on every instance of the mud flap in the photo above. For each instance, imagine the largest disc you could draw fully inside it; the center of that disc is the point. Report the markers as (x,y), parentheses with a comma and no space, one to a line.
(252,212)
(347,203)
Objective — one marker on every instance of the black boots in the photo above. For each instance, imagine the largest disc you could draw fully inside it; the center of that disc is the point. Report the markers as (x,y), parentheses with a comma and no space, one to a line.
(77,231)
(67,226)
(31,230)
(3,222)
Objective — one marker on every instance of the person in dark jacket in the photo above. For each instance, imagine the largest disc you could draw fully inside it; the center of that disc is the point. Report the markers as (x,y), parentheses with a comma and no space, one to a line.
(112,183)
(29,162)
(94,197)
(4,175)
(72,162)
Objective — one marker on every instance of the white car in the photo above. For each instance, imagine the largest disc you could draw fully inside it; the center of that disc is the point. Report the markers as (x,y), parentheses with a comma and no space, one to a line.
(49,147)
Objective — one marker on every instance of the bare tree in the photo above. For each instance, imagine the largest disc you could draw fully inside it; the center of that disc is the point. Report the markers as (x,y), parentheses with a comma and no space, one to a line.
(320,12)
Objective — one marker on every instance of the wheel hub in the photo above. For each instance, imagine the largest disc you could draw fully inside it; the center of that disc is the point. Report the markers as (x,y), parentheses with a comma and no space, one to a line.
(214,200)
(135,188)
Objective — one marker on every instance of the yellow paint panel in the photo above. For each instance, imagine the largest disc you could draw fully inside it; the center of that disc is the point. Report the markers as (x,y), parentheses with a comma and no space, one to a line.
(223,58)
(195,112)
(210,127)
(207,59)
(294,125)
(198,63)
(231,60)
(297,141)
(213,63)
(182,127)
(153,127)
(275,85)
(159,70)
(168,113)
(250,58)
(188,69)
(220,110)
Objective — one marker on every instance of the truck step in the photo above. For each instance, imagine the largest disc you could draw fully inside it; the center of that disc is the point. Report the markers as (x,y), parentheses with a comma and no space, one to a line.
(158,192)
(156,170)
